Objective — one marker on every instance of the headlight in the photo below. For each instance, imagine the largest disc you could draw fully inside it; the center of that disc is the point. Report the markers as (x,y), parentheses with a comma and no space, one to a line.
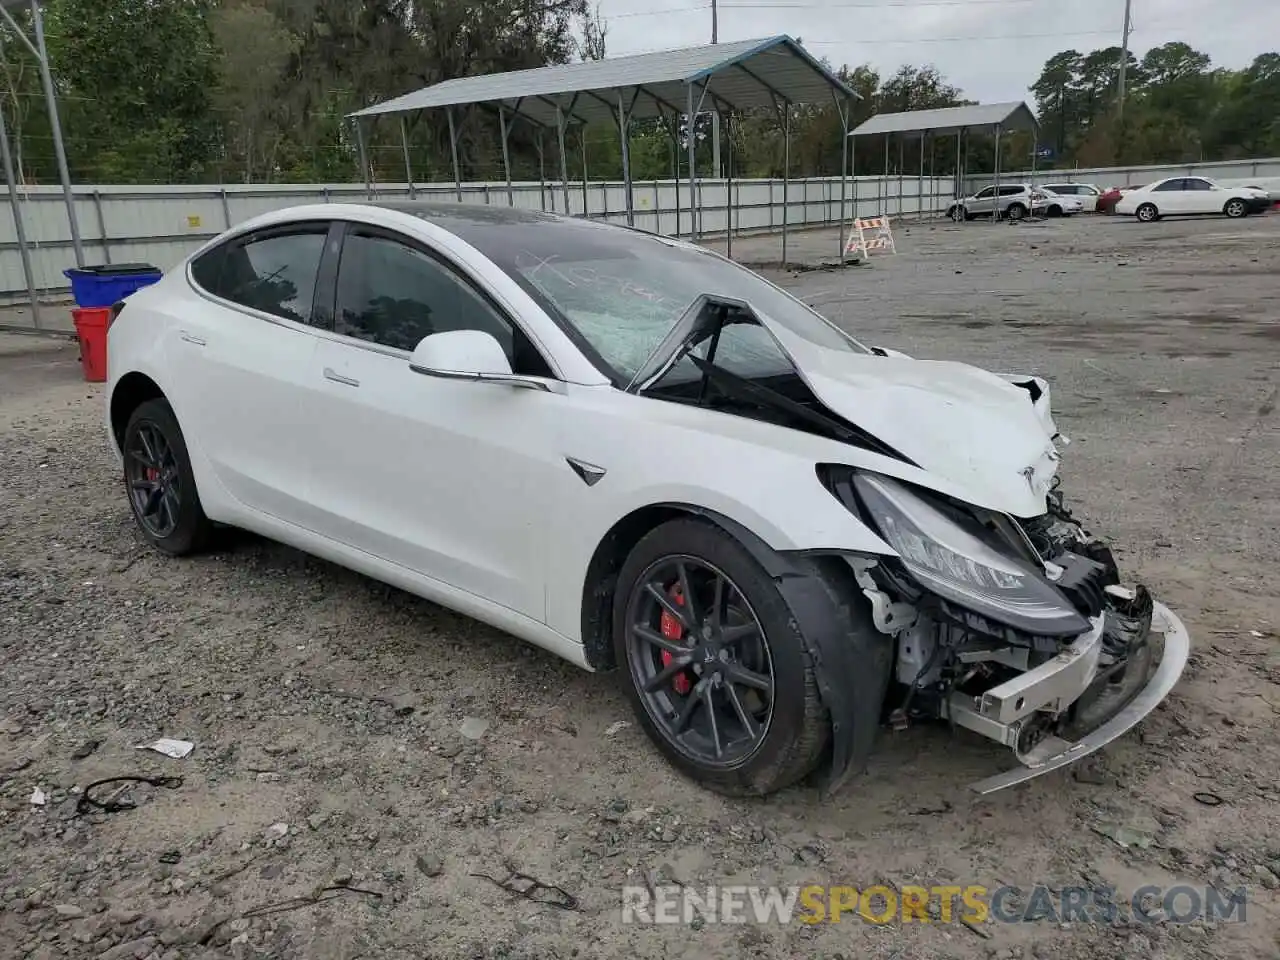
(957,566)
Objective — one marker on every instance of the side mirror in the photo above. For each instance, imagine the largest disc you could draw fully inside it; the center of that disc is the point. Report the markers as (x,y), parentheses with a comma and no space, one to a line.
(472,355)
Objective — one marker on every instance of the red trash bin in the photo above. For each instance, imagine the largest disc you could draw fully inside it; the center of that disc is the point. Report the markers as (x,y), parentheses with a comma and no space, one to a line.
(91,328)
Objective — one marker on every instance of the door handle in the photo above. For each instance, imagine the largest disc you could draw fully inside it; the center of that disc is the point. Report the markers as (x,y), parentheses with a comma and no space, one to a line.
(331,374)
(198,341)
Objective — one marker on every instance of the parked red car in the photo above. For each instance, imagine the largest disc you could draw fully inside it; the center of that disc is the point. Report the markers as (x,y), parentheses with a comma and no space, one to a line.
(1107,202)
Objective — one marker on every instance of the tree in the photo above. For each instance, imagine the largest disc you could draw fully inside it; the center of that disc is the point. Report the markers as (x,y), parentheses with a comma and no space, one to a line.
(135,78)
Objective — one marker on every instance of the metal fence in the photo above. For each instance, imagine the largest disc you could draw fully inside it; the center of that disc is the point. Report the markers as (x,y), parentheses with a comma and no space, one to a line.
(162,224)
(1230,173)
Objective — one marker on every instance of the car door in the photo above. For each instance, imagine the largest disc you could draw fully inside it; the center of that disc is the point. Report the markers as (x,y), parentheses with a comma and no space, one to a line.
(982,202)
(1200,196)
(241,353)
(454,479)
(1170,197)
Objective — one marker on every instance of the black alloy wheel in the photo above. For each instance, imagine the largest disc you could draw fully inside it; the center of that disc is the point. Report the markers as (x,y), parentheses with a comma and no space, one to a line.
(699,657)
(159,481)
(155,488)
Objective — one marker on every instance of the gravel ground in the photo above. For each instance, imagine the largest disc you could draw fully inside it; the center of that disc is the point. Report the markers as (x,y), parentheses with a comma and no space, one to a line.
(370,753)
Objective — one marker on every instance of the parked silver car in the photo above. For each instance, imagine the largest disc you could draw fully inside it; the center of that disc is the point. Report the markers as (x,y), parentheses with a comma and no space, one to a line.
(1015,201)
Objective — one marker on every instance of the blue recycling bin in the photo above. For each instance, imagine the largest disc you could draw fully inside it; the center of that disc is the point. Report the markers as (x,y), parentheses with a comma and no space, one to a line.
(105,285)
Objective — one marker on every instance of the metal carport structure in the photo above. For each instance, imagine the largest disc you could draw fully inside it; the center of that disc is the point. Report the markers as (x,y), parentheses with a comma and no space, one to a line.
(37,49)
(994,118)
(771,74)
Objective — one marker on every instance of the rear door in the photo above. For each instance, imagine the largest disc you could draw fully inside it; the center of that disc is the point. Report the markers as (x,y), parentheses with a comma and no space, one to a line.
(983,201)
(1171,196)
(242,354)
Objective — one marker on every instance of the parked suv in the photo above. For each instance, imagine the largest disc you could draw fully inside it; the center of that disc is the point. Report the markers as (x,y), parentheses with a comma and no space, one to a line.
(1016,200)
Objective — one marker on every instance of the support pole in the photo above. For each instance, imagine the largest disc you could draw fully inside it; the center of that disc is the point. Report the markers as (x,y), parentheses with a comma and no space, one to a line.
(844,170)
(959,167)
(364,160)
(542,172)
(996,211)
(564,160)
(786,178)
(51,104)
(728,189)
(884,181)
(853,175)
(920,180)
(624,133)
(506,155)
(692,146)
(6,156)
(453,148)
(408,166)
(582,143)
(902,162)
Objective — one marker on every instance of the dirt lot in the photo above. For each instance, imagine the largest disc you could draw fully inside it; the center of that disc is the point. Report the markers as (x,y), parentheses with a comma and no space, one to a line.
(327,710)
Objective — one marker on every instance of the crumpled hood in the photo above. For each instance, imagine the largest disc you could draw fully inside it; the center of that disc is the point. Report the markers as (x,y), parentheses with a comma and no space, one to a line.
(974,429)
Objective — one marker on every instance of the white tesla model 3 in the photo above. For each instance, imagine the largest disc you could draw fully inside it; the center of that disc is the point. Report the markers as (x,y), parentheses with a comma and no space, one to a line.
(641,456)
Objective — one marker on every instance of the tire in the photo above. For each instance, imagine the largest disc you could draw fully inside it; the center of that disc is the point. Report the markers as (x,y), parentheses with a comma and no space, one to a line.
(1015,212)
(958,213)
(794,733)
(1235,209)
(1055,211)
(1147,213)
(168,514)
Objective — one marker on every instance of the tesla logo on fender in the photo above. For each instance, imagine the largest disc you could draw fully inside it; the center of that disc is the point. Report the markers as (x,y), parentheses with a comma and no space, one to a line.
(589,472)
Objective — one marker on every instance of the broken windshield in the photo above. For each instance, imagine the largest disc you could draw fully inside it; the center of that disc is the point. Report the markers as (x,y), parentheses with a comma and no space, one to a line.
(621,291)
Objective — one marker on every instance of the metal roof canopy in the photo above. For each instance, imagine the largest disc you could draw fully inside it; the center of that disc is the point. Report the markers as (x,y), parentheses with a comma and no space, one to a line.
(995,118)
(729,78)
(947,120)
(749,75)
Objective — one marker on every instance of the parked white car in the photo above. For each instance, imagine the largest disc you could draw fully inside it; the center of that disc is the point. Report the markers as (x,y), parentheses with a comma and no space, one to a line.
(1015,201)
(639,455)
(1181,196)
(1086,193)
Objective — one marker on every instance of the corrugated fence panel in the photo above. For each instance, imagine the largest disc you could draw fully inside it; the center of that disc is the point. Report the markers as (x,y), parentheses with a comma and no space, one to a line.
(163,224)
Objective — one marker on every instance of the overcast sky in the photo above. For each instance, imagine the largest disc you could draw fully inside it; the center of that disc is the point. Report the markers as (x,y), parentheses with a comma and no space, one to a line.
(992,49)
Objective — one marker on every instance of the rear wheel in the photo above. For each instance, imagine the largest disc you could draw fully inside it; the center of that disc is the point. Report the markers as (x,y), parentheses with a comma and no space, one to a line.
(715,666)
(1235,209)
(160,483)
(1016,211)
(1147,213)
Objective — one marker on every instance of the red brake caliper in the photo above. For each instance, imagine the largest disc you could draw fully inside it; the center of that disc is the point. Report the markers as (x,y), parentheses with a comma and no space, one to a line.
(672,630)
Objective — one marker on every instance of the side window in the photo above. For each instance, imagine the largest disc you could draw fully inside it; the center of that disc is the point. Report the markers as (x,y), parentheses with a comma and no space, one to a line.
(1011,191)
(1195,183)
(392,294)
(274,273)
(1169,185)
(985,192)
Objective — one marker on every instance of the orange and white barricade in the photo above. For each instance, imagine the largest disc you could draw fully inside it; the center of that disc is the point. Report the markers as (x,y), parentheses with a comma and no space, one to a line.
(870,233)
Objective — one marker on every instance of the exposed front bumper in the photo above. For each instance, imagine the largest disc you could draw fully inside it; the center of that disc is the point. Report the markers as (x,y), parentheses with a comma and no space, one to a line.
(1259,204)
(1000,713)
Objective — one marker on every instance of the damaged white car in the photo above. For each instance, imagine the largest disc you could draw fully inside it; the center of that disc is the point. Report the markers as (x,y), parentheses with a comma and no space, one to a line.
(643,457)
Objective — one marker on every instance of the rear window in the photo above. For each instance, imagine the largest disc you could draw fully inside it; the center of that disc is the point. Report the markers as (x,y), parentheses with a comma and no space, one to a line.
(273,272)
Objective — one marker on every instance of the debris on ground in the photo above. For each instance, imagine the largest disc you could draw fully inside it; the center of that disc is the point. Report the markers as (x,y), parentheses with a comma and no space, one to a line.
(473,728)
(175,749)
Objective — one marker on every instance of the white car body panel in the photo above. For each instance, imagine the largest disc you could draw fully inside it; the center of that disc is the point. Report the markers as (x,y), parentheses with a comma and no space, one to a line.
(461,492)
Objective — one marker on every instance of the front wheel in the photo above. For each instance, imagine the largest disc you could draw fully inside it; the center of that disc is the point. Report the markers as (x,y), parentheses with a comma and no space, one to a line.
(958,214)
(1055,211)
(1148,213)
(715,667)
(160,483)
(1235,209)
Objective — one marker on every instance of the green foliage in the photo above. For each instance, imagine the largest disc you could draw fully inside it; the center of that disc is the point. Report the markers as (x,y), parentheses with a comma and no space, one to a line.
(179,91)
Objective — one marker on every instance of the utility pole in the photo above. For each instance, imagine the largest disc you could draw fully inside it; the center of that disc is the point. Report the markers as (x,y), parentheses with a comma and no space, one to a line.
(1124,55)
(715,114)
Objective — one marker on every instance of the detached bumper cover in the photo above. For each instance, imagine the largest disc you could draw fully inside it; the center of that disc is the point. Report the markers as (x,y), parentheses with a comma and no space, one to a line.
(1054,753)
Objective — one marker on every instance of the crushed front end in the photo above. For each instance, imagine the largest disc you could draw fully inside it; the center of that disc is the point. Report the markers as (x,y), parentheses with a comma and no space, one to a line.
(1018,630)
